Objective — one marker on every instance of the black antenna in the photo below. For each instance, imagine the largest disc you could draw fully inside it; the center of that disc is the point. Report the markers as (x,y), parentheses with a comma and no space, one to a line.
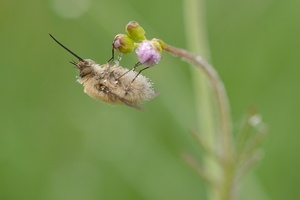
(74,54)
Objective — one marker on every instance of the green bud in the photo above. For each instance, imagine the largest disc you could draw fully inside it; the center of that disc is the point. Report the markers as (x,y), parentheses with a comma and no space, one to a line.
(160,43)
(157,44)
(135,31)
(123,44)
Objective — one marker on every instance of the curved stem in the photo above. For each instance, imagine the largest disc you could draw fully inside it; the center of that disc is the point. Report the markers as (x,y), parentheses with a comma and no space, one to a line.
(226,187)
(220,92)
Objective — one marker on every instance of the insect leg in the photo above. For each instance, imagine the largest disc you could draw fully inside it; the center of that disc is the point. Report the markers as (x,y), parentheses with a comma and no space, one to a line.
(139,73)
(132,69)
(112,54)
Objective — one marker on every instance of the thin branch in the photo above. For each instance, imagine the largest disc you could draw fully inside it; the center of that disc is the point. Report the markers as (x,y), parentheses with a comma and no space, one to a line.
(252,144)
(248,164)
(194,163)
(206,148)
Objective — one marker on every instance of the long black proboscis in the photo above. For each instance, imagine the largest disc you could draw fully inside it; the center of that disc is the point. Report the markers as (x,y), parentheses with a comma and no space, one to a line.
(63,46)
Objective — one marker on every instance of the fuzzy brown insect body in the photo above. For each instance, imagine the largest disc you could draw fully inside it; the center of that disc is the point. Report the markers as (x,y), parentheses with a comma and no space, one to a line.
(105,83)
(102,82)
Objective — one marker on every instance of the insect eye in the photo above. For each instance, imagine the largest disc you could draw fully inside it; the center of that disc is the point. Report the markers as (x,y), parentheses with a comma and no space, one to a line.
(85,71)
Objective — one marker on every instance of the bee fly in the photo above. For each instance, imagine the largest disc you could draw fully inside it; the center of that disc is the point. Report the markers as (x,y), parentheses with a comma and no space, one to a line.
(103,82)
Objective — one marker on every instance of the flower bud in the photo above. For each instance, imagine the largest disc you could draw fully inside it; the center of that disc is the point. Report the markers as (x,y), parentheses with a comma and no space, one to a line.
(123,43)
(135,31)
(149,52)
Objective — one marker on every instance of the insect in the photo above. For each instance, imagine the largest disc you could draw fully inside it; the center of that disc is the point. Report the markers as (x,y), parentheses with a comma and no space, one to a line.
(103,82)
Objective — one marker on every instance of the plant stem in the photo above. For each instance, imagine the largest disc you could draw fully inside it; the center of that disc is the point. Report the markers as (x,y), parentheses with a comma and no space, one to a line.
(196,34)
(196,30)
(219,90)
(226,187)
(197,42)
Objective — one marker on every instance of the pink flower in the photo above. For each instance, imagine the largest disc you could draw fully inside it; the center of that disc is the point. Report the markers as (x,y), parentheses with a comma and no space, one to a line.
(149,52)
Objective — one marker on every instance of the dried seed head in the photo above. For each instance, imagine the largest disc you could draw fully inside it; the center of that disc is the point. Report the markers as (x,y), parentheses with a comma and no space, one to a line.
(102,83)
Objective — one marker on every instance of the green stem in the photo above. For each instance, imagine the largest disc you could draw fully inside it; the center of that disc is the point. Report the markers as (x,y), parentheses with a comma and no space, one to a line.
(194,20)
(196,34)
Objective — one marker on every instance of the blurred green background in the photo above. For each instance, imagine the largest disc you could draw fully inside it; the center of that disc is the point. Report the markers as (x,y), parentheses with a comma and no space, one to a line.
(56,143)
